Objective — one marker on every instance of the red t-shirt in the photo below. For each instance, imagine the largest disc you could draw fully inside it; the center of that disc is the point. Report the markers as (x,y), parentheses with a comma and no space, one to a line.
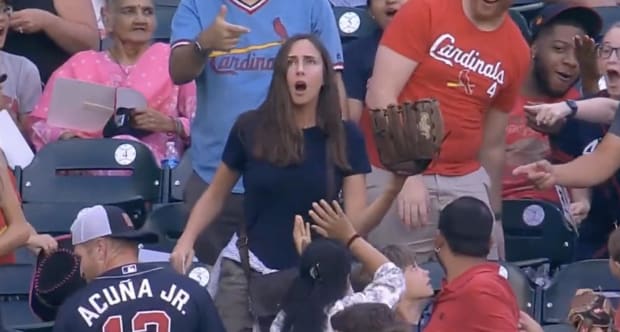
(467,70)
(525,145)
(479,300)
(10,258)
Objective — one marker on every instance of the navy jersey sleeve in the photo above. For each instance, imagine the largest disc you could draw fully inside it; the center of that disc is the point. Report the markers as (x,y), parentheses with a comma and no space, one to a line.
(353,74)
(234,155)
(356,150)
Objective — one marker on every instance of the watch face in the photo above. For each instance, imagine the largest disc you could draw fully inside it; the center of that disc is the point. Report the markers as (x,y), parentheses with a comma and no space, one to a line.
(349,22)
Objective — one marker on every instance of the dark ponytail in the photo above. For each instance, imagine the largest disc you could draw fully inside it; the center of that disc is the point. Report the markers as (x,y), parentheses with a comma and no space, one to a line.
(323,279)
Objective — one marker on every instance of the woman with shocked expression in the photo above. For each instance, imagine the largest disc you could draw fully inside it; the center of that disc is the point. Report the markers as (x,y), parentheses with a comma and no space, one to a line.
(292,151)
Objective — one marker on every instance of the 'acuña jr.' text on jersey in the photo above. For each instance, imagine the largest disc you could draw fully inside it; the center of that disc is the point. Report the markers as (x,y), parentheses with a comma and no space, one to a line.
(139,297)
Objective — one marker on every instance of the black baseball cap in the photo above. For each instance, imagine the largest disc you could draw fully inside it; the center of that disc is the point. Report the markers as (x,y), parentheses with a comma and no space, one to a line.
(589,19)
(107,221)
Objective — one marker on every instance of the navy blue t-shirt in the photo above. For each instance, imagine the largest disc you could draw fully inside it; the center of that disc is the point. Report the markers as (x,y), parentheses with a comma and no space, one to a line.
(139,297)
(274,195)
(359,57)
(580,137)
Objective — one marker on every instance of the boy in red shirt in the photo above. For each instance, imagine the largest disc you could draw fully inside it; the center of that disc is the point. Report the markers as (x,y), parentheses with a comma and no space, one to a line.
(472,58)
(475,294)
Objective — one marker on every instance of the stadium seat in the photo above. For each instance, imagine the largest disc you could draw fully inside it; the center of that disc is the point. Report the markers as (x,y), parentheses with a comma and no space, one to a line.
(354,22)
(528,8)
(179,177)
(44,183)
(24,256)
(164,10)
(537,229)
(14,289)
(523,288)
(592,274)
(169,221)
(521,23)
(56,218)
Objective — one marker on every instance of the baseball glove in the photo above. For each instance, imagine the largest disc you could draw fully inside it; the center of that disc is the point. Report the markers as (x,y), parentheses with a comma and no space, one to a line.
(589,310)
(408,136)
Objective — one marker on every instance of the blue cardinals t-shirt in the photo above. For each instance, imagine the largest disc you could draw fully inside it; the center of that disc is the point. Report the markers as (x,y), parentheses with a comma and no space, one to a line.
(237,81)
(274,194)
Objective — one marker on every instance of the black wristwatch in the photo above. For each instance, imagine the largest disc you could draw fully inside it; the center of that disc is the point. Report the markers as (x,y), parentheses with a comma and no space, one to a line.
(573,108)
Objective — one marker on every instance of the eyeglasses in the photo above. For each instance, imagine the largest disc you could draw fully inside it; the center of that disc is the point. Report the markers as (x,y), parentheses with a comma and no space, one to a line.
(605,51)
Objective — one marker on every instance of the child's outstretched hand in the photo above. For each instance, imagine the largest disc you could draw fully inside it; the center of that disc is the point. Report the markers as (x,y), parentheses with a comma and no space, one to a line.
(330,221)
(301,234)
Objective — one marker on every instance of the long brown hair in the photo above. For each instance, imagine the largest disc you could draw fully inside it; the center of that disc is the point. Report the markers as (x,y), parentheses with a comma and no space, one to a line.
(277,138)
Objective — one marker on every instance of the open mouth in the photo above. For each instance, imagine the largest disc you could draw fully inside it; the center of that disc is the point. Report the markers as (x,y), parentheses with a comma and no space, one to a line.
(300,86)
(564,77)
(139,28)
(390,12)
(612,74)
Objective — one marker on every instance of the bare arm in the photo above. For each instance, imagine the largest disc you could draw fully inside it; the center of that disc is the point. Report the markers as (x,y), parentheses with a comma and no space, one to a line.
(579,173)
(390,74)
(597,110)
(493,152)
(210,203)
(186,64)
(17,231)
(365,217)
(75,27)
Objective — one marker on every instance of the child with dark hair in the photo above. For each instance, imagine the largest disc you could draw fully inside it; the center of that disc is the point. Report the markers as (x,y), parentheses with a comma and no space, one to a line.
(363,317)
(322,288)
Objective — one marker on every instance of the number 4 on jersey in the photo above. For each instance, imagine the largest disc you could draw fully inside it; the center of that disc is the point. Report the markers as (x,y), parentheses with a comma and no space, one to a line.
(492,89)
(140,322)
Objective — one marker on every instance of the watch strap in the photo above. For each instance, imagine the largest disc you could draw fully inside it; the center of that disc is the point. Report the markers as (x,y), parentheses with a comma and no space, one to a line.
(573,107)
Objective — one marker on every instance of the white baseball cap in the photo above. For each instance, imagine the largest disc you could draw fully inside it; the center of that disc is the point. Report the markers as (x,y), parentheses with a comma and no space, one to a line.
(107,221)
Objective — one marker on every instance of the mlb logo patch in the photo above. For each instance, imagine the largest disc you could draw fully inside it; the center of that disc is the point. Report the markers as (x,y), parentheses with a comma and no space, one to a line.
(128,269)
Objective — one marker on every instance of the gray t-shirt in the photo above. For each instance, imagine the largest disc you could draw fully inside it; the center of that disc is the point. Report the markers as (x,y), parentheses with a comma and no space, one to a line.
(23,85)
